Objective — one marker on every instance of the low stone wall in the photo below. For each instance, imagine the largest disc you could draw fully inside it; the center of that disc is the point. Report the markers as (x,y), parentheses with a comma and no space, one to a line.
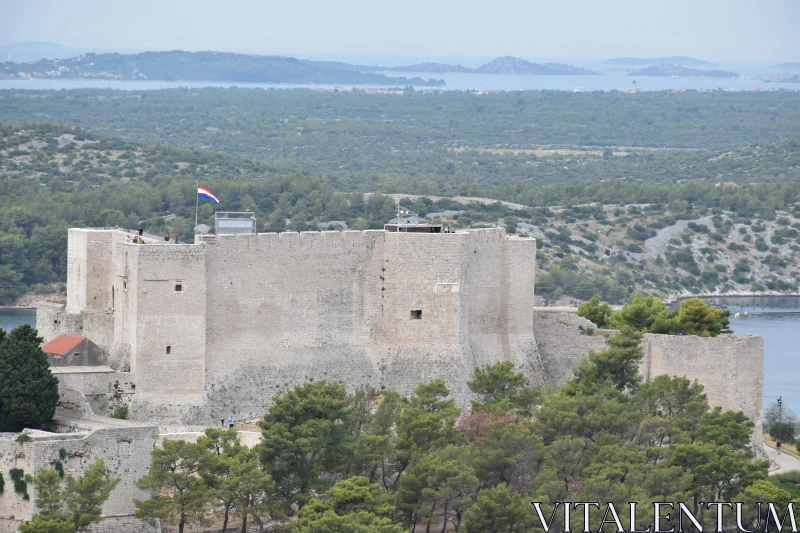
(124,447)
(103,390)
(562,343)
(730,369)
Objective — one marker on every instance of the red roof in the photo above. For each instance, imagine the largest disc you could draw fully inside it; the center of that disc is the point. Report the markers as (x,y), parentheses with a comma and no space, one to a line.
(62,344)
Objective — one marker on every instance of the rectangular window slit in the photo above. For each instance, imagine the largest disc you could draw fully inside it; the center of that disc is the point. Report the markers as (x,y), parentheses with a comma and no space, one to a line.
(416,314)
(169,349)
(178,287)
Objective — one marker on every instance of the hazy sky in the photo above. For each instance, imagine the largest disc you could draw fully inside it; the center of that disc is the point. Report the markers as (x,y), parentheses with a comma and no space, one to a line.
(744,30)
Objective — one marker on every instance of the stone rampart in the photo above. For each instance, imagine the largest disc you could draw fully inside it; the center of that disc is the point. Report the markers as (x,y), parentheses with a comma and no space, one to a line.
(562,343)
(124,447)
(730,369)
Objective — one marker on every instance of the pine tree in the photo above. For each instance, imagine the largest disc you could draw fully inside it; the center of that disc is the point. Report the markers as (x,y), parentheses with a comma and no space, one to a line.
(28,391)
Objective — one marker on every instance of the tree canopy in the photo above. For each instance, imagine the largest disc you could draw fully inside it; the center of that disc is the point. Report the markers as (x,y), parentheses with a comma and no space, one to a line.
(28,391)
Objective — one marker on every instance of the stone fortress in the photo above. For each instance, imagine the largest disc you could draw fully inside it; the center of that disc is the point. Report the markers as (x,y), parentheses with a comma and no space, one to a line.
(190,334)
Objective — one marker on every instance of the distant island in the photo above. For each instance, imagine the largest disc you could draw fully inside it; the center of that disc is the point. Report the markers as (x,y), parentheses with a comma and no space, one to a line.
(434,68)
(785,65)
(675,60)
(682,72)
(501,65)
(201,66)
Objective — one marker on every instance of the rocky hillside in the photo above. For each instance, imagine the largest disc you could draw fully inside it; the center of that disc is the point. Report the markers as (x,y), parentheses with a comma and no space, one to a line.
(703,236)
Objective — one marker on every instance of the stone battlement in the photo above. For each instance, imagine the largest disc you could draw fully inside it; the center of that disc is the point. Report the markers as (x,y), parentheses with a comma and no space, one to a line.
(233,320)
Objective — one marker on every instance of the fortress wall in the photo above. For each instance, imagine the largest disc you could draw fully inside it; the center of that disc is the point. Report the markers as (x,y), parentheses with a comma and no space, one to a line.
(47,319)
(285,308)
(425,272)
(99,388)
(100,269)
(730,369)
(124,449)
(98,326)
(500,274)
(562,345)
(12,506)
(124,302)
(77,270)
(169,356)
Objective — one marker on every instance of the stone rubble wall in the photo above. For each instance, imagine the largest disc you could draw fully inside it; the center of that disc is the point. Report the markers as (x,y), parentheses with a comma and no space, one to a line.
(124,447)
(730,369)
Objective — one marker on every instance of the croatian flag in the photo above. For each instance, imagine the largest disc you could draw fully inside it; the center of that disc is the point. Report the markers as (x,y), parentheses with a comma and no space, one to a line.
(202,192)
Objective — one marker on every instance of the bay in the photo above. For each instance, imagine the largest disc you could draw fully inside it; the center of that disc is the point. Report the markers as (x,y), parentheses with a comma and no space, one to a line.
(610,81)
(777,319)
(11,317)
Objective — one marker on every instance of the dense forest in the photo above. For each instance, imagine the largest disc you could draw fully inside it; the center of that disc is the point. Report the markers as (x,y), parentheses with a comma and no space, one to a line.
(647,163)
(416,142)
(592,237)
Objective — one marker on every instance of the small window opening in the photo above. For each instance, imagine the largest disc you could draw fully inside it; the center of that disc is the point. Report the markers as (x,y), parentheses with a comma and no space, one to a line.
(55,321)
(169,349)
(124,284)
(179,287)
(416,314)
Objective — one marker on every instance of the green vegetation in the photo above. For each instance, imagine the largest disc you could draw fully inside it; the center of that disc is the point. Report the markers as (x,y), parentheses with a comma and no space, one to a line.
(648,314)
(595,311)
(28,391)
(54,177)
(206,66)
(684,72)
(373,461)
(69,504)
(782,424)
(20,485)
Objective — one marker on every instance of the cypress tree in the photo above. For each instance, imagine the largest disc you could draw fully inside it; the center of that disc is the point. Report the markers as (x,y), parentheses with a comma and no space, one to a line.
(28,390)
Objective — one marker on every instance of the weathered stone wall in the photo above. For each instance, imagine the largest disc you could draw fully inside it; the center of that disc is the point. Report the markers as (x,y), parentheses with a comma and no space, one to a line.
(562,344)
(124,447)
(730,369)
(285,308)
(47,319)
(170,328)
(77,270)
(257,314)
(52,320)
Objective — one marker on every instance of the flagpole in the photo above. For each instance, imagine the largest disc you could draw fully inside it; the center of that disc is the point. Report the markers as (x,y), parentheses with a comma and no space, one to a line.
(196,205)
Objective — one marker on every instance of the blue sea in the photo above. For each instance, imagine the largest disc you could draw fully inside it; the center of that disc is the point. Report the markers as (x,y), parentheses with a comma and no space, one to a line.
(611,80)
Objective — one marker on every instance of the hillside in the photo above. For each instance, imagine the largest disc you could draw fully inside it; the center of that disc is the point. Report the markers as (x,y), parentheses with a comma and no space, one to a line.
(433,68)
(514,65)
(501,65)
(415,143)
(683,72)
(674,60)
(201,66)
(629,235)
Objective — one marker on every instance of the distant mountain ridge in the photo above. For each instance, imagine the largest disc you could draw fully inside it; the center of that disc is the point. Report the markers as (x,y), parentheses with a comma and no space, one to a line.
(683,72)
(179,65)
(501,65)
(675,60)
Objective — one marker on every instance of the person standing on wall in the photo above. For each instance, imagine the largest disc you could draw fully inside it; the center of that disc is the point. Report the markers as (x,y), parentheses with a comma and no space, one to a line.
(231,421)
